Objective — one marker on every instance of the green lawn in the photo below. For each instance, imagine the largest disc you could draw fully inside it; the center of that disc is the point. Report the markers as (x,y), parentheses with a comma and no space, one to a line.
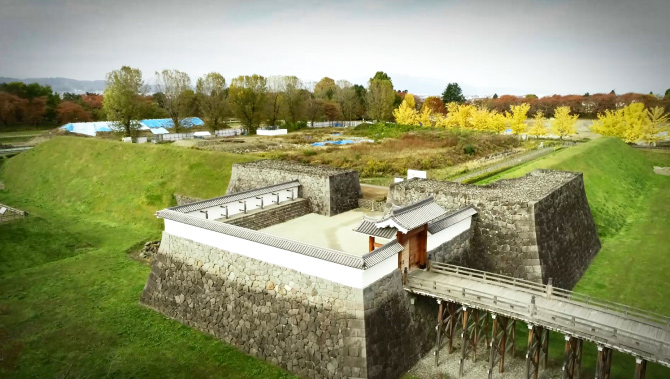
(69,292)
(631,207)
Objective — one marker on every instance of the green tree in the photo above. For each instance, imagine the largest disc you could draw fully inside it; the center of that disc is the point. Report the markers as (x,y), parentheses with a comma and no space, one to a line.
(174,85)
(453,94)
(122,99)
(495,95)
(293,99)
(325,89)
(667,93)
(346,96)
(247,98)
(213,99)
(381,75)
(380,99)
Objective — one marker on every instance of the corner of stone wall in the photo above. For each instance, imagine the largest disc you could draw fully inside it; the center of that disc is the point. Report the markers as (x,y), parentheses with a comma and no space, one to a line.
(567,237)
(307,325)
(397,332)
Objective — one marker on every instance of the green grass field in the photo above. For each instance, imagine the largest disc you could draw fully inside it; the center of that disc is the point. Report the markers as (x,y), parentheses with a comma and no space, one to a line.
(631,207)
(69,292)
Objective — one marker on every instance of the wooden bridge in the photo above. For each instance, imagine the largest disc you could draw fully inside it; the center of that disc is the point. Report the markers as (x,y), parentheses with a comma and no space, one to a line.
(466,297)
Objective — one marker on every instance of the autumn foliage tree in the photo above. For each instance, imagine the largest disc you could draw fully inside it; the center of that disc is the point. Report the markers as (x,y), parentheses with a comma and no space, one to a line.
(11,108)
(564,124)
(406,114)
(538,129)
(517,117)
(435,104)
(69,111)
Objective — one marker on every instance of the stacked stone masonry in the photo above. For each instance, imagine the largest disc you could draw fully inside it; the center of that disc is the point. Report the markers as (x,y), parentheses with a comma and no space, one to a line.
(535,227)
(307,325)
(310,326)
(273,215)
(330,191)
(455,251)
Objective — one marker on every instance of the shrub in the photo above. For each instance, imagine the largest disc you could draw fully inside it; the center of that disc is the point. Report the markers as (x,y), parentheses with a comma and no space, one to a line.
(309,152)
(469,150)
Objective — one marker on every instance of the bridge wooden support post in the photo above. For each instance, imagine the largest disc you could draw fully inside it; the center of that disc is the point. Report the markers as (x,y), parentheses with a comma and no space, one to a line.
(604,363)
(572,360)
(640,368)
(447,321)
(465,337)
(544,347)
(438,328)
(534,347)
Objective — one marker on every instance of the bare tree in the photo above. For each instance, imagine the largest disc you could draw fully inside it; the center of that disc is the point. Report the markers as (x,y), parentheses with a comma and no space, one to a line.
(173,84)
(275,94)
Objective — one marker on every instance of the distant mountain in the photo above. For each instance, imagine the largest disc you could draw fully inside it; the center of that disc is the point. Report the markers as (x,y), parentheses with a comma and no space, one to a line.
(61,85)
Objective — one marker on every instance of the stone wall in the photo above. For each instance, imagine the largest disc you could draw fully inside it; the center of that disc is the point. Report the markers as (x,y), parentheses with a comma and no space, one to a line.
(345,190)
(565,229)
(456,251)
(183,200)
(330,191)
(508,237)
(310,326)
(273,215)
(373,205)
(397,332)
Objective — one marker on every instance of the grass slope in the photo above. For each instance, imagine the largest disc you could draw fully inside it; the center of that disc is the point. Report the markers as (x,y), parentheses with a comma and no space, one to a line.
(631,207)
(616,176)
(76,313)
(112,182)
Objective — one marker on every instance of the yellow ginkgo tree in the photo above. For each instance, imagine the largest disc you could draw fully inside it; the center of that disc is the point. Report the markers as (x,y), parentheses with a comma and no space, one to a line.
(657,122)
(564,124)
(406,114)
(517,118)
(425,116)
(538,129)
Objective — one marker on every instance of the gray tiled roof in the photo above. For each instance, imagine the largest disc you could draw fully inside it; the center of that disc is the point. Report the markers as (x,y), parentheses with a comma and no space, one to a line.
(450,219)
(382,253)
(235,197)
(414,215)
(334,256)
(368,226)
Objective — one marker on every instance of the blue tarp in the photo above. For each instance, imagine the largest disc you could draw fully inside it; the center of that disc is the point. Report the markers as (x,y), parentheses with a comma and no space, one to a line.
(167,122)
(340,142)
(88,128)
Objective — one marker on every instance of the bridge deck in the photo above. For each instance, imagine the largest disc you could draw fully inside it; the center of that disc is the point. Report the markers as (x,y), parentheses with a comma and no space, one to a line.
(626,329)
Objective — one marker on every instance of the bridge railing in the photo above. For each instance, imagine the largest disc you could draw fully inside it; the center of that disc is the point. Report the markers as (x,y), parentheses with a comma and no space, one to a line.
(539,289)
(528,311)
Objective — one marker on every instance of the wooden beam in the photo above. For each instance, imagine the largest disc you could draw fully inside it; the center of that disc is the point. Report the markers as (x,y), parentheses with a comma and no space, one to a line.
(604,364)
(533,354)
(640,368)
(371,243)
(439,332)
(572,359)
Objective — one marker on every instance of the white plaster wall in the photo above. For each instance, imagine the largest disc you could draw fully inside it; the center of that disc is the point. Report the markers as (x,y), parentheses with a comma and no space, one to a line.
(276,132)
(334,272)
(446,235)
(236,207)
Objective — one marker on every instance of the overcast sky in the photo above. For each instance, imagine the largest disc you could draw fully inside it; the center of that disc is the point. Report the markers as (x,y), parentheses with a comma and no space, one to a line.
(512,46)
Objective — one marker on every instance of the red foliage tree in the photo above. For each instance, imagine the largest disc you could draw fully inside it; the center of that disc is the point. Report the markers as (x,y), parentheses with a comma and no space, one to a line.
(12,108)
(435,104)
(92,100)
(68,111)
